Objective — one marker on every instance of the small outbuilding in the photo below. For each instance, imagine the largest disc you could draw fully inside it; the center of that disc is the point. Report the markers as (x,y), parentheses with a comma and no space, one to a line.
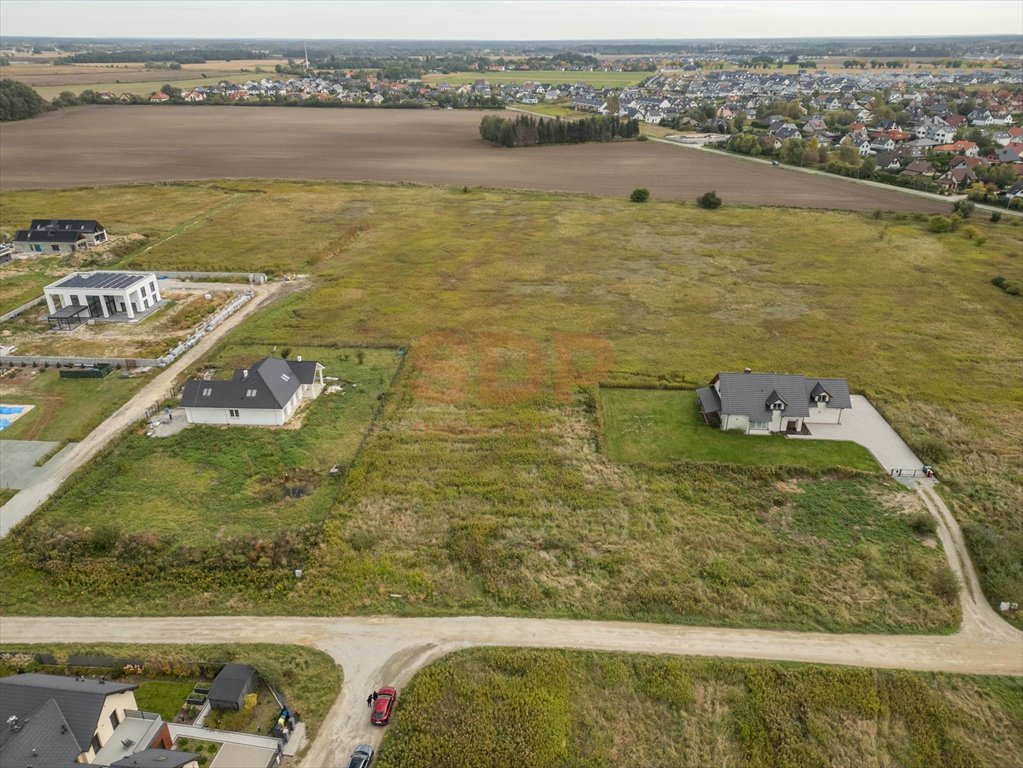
(231,685)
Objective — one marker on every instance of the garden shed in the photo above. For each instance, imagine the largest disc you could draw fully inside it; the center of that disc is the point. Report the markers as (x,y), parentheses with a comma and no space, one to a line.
(231,685)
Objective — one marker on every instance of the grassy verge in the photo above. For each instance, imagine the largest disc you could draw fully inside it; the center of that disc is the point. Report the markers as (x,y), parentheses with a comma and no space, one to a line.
(308,678)
(649,426)
(507,707)
(6,494)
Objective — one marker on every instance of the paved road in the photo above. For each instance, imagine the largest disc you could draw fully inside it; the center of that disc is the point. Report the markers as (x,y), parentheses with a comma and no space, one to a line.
(28,500)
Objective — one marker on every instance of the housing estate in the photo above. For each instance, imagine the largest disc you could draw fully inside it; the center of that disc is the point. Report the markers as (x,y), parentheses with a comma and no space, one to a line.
(766,403)
(59,236)
(54,721)
(117,296)
(267,393)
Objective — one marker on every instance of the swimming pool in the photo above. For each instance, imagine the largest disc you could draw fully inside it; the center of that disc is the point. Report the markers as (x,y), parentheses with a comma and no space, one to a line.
(14,411)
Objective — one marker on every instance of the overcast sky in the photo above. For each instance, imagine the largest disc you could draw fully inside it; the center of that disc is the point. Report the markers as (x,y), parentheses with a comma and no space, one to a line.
(507,19)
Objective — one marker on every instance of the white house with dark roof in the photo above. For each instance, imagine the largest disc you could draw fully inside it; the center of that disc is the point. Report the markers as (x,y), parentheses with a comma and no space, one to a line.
(59,236)
(125,296)
(266,394)
(767,403)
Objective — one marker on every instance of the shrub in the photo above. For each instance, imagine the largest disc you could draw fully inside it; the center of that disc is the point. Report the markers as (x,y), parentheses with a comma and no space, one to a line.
(945,585)
(640,195)
(922,523)
(939,224)
(996,216)
(964,208)
(1011,287)
(971,232)
(709,200)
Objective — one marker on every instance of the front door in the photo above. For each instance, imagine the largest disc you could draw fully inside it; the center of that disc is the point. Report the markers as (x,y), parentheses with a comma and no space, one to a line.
(793,426)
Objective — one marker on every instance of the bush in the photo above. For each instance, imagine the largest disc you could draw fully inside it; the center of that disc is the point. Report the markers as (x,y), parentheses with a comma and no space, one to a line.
(971,232)
(922,523)
(996,216)
(709,200)
(640,195)
(939,224)
(945,585)
(1011,287)
(964,208)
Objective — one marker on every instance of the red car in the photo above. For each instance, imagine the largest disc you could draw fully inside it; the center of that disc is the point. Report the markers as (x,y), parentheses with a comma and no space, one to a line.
(383,706)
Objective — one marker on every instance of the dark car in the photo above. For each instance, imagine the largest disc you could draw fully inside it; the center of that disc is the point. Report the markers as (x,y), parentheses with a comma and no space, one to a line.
(361,757)
(383,706)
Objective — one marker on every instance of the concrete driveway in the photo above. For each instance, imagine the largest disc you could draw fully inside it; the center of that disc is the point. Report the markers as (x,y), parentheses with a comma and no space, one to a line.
(18,462)
(864,425)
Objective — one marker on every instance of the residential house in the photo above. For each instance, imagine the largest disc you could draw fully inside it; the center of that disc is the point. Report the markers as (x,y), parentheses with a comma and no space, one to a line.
(70,718)
(967,148)
(953,180)
(62,236)
(766,403)
(267,393)
(125,296)
(918,168)
(159,97)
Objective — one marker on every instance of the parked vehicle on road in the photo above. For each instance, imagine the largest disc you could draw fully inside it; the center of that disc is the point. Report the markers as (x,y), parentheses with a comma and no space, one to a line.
(361,757)
(383,706)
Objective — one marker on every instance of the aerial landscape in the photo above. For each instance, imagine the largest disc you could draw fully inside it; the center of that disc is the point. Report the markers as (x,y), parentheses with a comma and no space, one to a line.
(481,384)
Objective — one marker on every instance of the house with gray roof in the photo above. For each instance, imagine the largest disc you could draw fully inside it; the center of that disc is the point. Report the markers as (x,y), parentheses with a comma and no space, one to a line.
(69,719)
(265,394)
(59,236)
(768,403)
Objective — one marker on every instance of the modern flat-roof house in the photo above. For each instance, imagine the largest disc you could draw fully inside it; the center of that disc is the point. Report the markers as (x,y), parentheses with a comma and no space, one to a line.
(267,393)
(70,718)
(118,296)
(59,236)
(765,403)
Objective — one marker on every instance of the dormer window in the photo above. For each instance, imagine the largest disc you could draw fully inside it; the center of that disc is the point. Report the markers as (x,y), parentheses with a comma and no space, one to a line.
(777,405)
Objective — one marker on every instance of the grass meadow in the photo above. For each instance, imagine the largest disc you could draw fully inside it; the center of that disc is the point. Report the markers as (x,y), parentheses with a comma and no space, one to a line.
(484,485)
(498,708)
(309,679)
(650,425)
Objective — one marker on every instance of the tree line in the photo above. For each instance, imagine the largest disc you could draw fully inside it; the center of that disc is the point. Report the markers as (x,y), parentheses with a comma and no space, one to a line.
(527,131)
(19,102)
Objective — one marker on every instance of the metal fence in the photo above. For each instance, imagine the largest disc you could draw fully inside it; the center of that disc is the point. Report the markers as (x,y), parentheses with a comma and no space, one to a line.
(19,310)
(45,361)
(256,278)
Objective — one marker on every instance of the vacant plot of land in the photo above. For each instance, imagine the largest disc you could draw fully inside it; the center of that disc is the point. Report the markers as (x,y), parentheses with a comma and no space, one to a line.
(109,144)
(499,708)
(645,425)
(553,76)
(468,497)
(65,409)
(50,79)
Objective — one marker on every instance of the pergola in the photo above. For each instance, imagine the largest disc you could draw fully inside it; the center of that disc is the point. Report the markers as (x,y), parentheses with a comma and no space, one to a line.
(68,318)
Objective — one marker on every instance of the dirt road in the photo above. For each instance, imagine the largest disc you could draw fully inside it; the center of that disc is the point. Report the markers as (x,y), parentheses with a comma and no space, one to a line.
(379,651)
(118,144)
(28,500)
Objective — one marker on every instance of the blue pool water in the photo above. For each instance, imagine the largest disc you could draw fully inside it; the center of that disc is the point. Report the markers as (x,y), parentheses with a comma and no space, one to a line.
(4,423)
(9,409)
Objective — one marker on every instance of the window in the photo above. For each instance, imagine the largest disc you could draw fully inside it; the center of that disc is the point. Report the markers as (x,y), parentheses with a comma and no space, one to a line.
(144,291)
(759,426)
(822,398)
(114,722)
(55,247)
(285,377)
(96,744)
(777,405)
(207,391)
(233,413)
(250,393)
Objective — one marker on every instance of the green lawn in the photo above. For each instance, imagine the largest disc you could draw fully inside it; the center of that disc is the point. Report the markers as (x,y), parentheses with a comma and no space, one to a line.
(553,76)
(20,288)
(207,750)
(649,425)
(65,409)
(499,708)
(165,697)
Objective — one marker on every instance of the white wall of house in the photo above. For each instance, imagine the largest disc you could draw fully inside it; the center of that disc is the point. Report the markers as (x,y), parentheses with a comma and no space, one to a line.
(136,298)
(115,703)
(254,417)
(734,422)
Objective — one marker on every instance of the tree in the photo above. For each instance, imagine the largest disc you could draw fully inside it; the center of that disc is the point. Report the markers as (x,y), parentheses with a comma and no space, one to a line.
(640,195)
(18,101)
(964,208)
(614,105)
(792,151)
(709,200)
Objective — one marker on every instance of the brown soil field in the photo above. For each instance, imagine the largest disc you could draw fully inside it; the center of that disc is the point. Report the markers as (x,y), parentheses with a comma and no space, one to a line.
(120,144)
(78,77)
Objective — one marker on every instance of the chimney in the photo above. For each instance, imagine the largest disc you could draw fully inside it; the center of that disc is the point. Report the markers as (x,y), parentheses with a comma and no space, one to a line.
(747,370)
(300,358)
(245,373)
